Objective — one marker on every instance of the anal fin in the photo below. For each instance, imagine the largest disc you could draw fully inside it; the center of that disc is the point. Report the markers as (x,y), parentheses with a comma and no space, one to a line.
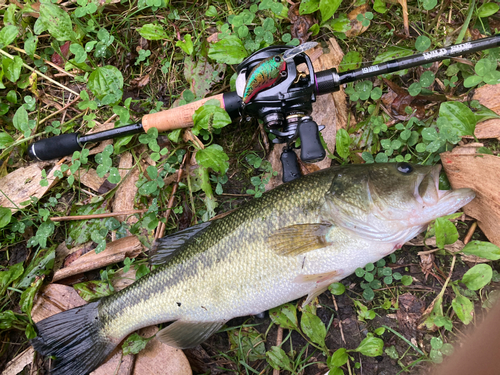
(185,334)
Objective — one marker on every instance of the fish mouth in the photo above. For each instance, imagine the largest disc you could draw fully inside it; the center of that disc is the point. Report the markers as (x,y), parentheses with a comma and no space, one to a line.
(428,193)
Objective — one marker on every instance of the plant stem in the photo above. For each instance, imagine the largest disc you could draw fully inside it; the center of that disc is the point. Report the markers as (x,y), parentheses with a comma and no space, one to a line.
(41,74)
(460,38)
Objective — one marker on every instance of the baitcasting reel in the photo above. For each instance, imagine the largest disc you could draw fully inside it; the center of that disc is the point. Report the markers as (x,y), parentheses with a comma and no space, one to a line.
(284,106)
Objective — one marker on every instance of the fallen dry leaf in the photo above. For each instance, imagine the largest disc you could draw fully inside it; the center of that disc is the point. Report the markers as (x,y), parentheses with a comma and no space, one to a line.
(300,23)
(356,26)
(409,313)
(53,299)
(397,99)
(116,251)
(480,172)
(125,195)
(17,365)
(488,95)
(23,183)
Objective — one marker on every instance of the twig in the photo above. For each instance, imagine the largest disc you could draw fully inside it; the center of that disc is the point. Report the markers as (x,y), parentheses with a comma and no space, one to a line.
(340,320)
(279,340)
(427,252)
(160,231)
(97,216)
(59,111)
(469,234)
(40,74)
(45,61)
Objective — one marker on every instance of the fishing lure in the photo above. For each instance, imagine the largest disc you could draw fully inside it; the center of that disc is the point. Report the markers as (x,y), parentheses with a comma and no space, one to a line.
(268,71)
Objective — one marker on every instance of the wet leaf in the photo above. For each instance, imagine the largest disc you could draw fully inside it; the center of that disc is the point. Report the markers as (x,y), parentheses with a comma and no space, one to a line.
(134,344)
(459,116)
(28,296)
(213,157)
(328,8)
(446,232)
(91,290)
(463,307)
(106,83)
(152,32)
(309,6)
(7,35)
(339,358)
(371,347)
(229,50)
(343,141)
(487,9)
(313,327)
(186,45)
(278,359)
(40,266)
(285,316)
(208,117)
(482,249)
(5,216)
(9,276)
(57,22)
(337,289)
(478,276)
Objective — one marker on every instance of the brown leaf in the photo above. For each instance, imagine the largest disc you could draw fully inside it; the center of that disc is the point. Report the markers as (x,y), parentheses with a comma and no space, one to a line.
(23,183)
(409,313)
(160,359)
(16,365)
(53,299)
(140,82)
(397,99)
(488,95)
(116,251)
(480,172)
(300,23)
(125,195)
(58,59)
(356,26)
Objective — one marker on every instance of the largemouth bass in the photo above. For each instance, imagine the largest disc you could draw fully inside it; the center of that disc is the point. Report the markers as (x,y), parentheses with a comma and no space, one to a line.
(293,241)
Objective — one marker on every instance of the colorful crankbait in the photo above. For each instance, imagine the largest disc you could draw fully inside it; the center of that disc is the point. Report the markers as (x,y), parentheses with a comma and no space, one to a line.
(268,71)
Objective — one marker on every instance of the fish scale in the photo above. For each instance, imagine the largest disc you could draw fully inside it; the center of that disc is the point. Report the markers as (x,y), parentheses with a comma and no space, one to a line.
(240,252)
(293,241)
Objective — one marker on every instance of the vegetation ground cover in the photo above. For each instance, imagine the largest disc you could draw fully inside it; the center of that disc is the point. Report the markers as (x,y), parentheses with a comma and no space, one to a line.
(76,66)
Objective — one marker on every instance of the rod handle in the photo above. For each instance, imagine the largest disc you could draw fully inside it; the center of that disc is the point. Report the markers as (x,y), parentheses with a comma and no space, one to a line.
(175,118)
(54,147)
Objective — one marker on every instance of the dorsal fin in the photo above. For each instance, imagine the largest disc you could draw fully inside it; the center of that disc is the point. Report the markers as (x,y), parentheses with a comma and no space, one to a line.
(165,248)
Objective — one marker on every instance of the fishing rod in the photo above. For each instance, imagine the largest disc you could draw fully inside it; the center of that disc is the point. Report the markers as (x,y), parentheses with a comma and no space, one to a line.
(283,101)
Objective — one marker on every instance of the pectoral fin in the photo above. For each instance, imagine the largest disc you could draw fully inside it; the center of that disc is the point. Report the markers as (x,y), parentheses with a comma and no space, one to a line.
(299,239)
(322,280)
(183,335)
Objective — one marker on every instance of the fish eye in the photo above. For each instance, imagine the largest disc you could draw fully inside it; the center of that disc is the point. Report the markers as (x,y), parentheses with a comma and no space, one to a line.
(277,59)
(405,168)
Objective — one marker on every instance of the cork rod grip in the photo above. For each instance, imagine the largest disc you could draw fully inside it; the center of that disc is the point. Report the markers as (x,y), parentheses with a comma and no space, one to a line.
(175,118)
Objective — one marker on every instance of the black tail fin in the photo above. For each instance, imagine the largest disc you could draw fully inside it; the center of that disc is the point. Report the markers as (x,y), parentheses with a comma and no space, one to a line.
(75,337)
